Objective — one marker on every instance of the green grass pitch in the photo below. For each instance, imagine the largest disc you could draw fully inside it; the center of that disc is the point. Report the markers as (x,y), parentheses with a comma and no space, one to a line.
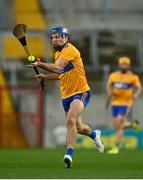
(48,163)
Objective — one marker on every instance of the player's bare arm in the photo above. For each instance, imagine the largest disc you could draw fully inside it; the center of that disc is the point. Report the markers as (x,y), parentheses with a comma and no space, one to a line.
(46,77)
(59,65)
(109,90)
(137,93)
(109,95)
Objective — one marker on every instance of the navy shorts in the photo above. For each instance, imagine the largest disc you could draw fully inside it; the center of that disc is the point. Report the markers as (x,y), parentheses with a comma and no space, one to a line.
(84,97)
(119,110)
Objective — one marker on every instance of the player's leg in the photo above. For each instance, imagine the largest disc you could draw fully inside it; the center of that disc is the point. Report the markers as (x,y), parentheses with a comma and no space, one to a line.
(118,124)
(74,112)
(118,119)
(134,124)
(77,104)
(129,118)
(131,122)
(76,108)
(84,129)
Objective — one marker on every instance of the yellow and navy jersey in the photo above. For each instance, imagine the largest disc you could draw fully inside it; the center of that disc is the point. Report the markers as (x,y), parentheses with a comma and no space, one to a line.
(72,77)
(123,85)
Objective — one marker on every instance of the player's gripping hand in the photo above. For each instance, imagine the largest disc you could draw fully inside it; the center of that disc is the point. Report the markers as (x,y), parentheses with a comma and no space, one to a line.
(40,77)
(34,64)
(135,96)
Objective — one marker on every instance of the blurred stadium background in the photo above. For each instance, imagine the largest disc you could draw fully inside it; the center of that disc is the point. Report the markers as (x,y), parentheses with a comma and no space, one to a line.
(102,30)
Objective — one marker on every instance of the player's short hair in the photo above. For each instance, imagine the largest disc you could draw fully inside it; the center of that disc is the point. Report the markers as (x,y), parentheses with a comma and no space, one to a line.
(124,60)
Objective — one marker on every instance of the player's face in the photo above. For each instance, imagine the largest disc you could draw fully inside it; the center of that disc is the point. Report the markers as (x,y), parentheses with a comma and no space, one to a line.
(58,39)
(124,67)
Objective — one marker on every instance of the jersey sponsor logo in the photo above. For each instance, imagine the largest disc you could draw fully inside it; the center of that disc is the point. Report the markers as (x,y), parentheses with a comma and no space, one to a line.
(122,85)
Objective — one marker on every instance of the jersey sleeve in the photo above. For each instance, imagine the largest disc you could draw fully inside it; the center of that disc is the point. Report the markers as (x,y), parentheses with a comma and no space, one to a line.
(68,54)
(136,81)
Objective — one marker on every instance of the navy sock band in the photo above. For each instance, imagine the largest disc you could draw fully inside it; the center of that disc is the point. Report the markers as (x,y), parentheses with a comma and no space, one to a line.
(69,151)
(93,134)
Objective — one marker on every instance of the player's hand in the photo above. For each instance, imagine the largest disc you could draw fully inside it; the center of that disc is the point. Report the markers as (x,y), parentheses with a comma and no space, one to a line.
(34,64)
(40,77)
(135,96)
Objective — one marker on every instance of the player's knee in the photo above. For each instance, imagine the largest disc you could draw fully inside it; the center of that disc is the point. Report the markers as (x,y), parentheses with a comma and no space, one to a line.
(120,118)
(118,126)
(71,122)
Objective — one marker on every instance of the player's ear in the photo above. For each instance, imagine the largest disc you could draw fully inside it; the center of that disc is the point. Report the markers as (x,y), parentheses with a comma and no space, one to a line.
(66,37)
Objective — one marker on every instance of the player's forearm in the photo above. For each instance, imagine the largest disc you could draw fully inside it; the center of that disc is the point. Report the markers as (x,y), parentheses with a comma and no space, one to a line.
(109,91)
(138,92)
(52,76)
(49,66)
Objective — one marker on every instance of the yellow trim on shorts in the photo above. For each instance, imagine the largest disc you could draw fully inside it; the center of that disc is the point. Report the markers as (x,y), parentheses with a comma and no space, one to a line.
(84,96)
